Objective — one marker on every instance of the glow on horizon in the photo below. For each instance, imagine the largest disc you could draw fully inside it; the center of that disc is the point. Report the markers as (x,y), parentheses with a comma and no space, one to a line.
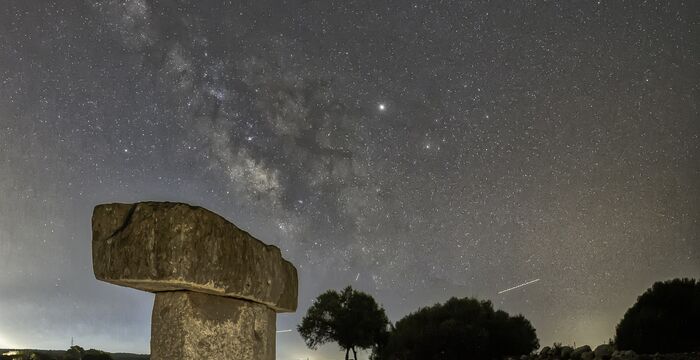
(5,344)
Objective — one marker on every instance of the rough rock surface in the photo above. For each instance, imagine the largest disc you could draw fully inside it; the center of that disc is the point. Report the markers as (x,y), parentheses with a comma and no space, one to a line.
(155,247)
(188,326)
(588,355)
(601,353)
(576,354)
(566,352)
(604,352)
(624,355)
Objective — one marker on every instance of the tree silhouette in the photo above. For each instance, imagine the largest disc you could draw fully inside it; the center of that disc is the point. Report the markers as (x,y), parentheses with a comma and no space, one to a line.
(459,329)
(665,319)
(350,318)
(93,354)
(74,353)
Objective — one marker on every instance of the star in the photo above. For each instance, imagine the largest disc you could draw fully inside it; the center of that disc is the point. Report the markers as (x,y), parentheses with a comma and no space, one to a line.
(415,146)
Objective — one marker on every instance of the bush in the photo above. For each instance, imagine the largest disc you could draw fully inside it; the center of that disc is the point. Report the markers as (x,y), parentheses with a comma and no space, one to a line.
(459,329)
(665,319)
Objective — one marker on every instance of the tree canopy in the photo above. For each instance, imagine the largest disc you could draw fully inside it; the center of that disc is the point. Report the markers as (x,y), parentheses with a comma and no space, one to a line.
(93,354)
(74,353)
(459,329)
(665,319)
(350,318)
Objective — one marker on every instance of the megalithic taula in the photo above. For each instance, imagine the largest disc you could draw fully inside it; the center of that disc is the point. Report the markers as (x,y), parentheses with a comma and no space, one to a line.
(217,288)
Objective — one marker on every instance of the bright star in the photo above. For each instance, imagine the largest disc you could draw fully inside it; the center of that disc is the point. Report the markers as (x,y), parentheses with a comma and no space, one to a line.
(382,107)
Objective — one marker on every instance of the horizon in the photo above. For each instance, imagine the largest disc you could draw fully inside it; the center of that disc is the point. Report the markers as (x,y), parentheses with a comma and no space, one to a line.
(329,350)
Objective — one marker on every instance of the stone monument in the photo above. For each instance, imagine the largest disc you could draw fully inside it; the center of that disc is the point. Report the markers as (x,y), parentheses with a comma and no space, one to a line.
(217,288)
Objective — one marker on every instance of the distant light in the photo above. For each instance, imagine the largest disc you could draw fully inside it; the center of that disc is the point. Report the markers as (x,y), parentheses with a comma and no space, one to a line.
(382,107)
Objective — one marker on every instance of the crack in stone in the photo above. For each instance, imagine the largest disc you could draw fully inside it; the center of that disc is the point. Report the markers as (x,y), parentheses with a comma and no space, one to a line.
(127,221)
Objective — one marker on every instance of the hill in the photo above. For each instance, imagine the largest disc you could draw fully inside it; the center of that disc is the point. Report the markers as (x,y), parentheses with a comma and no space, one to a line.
(60,353)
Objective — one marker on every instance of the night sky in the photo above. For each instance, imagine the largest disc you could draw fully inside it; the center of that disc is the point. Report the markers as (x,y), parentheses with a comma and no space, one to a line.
(413,150)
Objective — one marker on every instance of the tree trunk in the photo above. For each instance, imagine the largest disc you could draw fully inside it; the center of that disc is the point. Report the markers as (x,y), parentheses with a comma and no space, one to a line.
(354,354)
(347,353)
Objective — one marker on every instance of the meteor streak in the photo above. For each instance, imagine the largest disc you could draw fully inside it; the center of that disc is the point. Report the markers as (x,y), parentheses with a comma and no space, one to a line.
(521,285)
(283,331)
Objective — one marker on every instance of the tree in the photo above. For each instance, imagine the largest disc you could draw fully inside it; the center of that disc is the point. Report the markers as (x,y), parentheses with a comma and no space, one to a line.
(665,319)
(74,353)
(350,318)
(93,354)
(459,329)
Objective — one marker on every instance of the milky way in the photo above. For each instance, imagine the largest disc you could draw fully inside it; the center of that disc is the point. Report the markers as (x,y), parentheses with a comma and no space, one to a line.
(413,150)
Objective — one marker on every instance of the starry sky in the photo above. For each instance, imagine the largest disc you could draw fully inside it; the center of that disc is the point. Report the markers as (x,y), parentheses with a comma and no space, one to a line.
(413,150)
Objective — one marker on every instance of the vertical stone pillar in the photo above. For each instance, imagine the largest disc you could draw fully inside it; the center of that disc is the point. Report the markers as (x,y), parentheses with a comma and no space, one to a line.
(190,325)
(217,288)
